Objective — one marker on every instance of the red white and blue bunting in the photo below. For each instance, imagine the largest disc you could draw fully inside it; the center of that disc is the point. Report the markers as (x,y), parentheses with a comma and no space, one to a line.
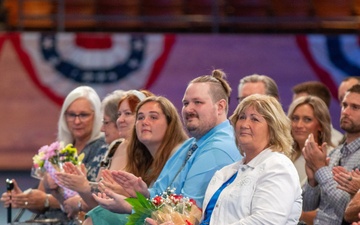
(332,57)
(58,63)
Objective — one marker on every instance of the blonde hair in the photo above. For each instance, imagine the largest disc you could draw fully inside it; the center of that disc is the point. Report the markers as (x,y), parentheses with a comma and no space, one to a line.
(322,115)
(278,123)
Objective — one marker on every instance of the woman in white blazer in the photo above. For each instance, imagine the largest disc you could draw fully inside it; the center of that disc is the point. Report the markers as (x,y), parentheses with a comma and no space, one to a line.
(262,188)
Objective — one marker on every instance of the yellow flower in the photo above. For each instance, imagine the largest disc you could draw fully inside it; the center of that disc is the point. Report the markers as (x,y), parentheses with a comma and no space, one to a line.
(38,159)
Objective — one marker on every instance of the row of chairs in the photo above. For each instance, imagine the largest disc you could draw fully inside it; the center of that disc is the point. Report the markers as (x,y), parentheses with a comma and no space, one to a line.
(175,14)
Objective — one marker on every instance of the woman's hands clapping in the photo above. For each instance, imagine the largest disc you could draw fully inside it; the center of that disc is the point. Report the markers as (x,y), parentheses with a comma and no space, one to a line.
(131,183)
(73,178)
(113,202)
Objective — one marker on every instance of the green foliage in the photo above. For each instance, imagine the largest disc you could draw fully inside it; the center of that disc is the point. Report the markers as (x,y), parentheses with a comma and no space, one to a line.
(142,208)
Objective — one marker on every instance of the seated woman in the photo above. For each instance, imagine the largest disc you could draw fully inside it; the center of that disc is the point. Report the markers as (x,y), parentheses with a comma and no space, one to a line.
(158,133)
(308,115)
(79,124)
(109,110)
(263,187)
(118,123)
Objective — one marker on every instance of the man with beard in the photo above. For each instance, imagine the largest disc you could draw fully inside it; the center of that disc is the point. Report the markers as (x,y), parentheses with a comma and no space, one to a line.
(321,189)
(190,168)
(204,112)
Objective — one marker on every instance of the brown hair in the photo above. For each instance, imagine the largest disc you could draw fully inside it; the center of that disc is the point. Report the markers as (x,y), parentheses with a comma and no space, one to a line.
(314,88)
(133,99)
(140,161)
(219,89)
(355,89)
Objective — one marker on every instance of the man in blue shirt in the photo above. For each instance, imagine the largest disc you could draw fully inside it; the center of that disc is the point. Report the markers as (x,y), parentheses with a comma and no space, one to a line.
(189,170)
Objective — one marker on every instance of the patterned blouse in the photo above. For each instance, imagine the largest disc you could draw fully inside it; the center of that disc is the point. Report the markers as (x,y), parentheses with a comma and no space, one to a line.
(94,153)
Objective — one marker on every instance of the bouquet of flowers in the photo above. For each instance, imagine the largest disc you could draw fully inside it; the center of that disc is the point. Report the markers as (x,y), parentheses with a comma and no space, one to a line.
(50,158)
(164,208)
(46,152)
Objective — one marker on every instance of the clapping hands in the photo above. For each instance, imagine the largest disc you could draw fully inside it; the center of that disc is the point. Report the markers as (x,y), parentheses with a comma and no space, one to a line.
(315,157)
(113,202)
(130,183)
(73,178)
(107,181)
(348,181)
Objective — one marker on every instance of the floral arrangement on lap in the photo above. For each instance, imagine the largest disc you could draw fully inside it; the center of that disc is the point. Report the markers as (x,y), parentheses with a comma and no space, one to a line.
(50,159)
(164,208)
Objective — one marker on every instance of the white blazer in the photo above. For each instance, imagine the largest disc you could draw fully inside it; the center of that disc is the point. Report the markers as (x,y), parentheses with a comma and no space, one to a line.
(265,191)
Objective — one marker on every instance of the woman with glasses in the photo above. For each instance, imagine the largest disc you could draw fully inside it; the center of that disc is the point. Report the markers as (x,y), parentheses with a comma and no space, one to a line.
(110,114)
(122,117)
(109,108)
(79,124)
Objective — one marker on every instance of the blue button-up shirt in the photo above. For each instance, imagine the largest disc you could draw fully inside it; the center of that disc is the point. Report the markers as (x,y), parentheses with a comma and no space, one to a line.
(216,149)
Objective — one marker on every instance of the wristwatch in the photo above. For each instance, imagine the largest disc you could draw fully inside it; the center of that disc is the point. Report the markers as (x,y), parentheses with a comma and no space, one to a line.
(47,203)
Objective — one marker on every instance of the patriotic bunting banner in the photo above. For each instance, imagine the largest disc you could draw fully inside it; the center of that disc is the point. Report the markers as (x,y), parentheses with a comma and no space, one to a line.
(39,69)
(58,63)
(332,57)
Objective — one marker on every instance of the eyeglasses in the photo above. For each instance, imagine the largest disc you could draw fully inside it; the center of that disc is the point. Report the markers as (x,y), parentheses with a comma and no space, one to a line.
(72,116)
(105,123)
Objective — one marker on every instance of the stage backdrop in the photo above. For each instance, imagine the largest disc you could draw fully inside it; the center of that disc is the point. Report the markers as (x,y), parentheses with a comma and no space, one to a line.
(38,70)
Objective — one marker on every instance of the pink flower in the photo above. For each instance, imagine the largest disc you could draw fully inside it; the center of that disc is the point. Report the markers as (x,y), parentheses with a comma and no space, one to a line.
(54,146)
(52,150)
(43,152)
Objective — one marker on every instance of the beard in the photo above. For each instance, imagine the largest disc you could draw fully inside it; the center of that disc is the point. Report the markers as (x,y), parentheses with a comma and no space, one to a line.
(197,128)
(193,128)
(349,125)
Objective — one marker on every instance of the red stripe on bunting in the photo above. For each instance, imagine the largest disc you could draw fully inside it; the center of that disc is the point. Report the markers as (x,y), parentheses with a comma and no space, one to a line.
(89,41)
(322,74)
(3,37)
(160,62)
(25,59)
